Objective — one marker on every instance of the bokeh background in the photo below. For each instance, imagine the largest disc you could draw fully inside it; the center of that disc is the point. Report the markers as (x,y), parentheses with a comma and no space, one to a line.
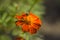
(8,9)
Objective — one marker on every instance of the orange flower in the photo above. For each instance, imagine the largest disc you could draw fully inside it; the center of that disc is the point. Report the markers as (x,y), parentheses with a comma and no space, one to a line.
(19,38)
(29,22)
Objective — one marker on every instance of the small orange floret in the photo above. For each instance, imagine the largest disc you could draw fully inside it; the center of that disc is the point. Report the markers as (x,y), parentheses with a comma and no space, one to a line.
(19,38)
(30,23)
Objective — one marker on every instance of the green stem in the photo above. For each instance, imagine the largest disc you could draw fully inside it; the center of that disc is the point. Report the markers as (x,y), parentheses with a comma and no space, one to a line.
(33,5)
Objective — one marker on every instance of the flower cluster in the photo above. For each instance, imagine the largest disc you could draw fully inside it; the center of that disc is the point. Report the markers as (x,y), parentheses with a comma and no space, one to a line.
(29,22)
(19,38)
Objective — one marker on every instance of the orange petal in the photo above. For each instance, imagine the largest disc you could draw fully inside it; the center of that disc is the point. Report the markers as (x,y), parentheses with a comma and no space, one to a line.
(25,28)
(18,17)
(36,26)
(24,16)
(18,23)
(38,21)
(32,30)
(31,14)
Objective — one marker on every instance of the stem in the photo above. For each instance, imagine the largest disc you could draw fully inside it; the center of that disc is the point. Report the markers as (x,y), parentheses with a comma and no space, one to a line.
(33,5)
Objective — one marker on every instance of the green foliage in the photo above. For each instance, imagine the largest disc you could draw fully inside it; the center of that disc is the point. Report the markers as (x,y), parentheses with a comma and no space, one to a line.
(4,37)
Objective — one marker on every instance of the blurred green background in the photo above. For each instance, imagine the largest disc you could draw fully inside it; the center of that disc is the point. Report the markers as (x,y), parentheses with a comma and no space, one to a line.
(8,9)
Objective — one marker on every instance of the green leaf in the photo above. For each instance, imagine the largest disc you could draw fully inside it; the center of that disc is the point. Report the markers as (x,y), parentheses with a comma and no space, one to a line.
(4,16)
(8,19)
(4,37)
(0,21)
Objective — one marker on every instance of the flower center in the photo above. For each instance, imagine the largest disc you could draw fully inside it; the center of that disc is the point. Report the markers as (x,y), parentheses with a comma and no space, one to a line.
(27,22)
